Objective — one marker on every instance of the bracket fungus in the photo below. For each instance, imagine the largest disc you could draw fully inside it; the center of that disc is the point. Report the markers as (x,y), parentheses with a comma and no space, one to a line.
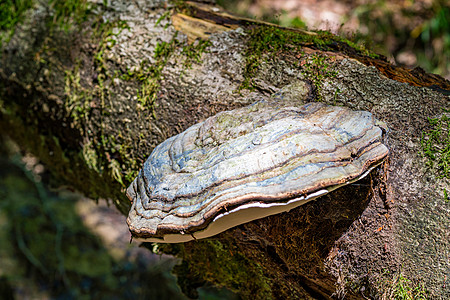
(249,163)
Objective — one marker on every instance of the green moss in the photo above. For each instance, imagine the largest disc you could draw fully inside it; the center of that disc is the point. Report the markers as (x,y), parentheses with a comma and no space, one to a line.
(405,290)
(105,33)
(193,52)
(316,69)
(165,16)
(97,151)
(149,74)
(435,144)
(82,99)
(63,159)
(79,98)
(69,12)
(181,6)
(220,264)
(88,102)
(11,13)
(90,157)
(266,42)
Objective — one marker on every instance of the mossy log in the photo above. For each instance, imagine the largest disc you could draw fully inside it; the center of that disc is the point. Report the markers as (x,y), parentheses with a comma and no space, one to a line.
(92,88)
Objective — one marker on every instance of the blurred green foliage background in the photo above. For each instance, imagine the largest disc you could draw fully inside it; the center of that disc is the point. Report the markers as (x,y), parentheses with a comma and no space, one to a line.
(48,253)
(409,32)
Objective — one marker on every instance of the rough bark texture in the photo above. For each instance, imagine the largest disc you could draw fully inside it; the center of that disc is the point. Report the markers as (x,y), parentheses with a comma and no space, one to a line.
(93,101)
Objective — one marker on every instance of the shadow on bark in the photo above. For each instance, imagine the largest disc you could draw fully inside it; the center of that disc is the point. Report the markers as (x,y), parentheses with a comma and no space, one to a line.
(278,257)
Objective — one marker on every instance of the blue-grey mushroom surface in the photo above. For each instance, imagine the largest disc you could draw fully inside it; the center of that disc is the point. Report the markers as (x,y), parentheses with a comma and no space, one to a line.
(249,163)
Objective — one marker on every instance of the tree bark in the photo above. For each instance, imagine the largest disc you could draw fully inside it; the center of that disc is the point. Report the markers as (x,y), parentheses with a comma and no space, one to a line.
(92,91)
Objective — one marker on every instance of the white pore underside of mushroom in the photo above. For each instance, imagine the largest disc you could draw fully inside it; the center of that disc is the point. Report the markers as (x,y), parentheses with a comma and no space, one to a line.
(246,213)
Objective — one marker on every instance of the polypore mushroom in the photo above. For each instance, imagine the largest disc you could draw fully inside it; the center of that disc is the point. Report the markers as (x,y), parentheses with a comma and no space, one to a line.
(249,163)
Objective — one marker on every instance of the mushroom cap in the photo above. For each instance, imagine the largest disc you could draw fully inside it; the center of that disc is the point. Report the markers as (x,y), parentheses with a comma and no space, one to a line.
(249,163)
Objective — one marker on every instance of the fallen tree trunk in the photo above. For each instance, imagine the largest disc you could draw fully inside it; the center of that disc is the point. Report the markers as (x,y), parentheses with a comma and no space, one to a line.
(92,90)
